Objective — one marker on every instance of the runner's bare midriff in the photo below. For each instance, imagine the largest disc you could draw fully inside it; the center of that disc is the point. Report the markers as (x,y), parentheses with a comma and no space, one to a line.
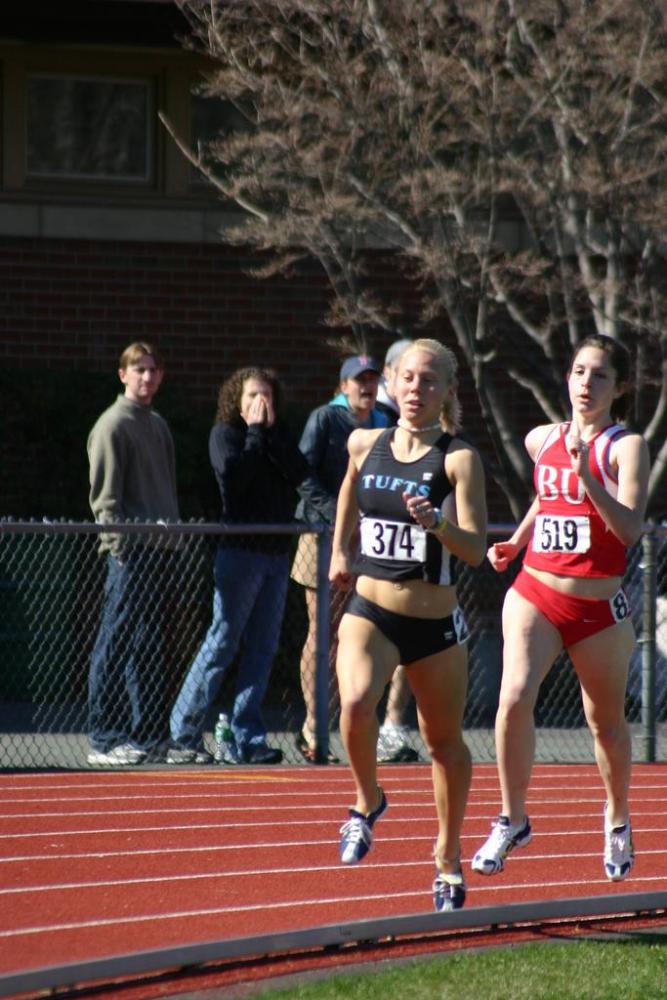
(598,588)
(409,597)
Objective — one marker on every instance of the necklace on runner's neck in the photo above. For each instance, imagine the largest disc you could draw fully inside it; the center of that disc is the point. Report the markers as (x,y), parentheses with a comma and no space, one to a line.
(418,430)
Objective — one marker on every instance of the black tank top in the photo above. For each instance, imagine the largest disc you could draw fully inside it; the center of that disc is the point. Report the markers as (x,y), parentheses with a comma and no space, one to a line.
(393,546)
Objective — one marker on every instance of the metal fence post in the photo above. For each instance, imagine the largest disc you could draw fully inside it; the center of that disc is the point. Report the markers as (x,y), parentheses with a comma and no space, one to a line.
(322,667)
(647,644)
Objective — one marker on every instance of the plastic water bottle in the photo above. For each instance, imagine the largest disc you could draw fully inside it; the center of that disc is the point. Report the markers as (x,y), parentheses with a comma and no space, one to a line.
(223,737)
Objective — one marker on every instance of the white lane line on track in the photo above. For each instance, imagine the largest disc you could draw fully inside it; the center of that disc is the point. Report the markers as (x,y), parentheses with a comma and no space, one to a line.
(278,845)
(169,810)
(157,769)
(338,900)
(318,793)
(397,775)
(265,872)
(394,774)
(426,803)
(217,796)
(272,824)
(290,844)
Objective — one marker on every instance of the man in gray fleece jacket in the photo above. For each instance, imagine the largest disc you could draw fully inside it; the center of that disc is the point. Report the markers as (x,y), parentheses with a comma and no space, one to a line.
(132,478)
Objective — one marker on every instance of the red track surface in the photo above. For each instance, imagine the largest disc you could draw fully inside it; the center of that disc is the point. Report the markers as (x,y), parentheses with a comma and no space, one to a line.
(95,864)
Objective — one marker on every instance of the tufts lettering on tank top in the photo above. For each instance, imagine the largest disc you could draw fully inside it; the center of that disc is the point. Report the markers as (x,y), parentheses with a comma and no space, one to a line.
(394,484)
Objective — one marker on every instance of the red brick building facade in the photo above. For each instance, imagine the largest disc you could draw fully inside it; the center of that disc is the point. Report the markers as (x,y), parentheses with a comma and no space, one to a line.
(104,240)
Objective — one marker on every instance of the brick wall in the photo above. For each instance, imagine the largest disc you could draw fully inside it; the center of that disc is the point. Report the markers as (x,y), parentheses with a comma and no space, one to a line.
(73,305)
(76,304)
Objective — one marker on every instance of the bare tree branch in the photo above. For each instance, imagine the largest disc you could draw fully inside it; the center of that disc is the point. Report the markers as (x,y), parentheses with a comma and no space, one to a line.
(511,153)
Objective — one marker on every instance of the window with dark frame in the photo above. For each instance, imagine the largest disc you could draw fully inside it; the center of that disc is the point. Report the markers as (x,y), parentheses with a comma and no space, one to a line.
(89,128)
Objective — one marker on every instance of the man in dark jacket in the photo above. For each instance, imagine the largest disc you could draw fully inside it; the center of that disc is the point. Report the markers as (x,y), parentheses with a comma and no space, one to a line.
(324,444)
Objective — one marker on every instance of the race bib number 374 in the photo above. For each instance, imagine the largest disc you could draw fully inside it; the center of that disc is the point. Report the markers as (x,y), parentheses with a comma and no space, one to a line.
(561,534)
(393,540)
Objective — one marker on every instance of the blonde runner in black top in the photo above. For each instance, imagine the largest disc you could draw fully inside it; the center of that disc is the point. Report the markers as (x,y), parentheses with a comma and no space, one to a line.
(393,546)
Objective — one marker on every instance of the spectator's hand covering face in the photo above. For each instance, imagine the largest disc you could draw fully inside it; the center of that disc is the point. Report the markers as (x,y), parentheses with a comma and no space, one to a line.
(256,404)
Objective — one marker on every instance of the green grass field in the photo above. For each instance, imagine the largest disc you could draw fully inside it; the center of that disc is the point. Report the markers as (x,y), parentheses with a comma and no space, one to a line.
(634,968)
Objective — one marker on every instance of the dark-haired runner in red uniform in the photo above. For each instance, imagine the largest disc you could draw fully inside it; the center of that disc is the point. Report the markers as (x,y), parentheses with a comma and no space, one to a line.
(591,480)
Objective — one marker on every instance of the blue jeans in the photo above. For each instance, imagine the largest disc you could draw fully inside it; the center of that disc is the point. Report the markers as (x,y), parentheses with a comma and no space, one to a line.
(248,605)
(126,683)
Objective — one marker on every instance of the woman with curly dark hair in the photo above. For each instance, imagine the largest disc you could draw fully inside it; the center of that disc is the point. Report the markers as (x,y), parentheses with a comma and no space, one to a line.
(258,466)
(231,393)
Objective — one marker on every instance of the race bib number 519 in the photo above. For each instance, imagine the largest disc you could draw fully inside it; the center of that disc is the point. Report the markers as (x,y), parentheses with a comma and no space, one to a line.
(393,540)
(561,534)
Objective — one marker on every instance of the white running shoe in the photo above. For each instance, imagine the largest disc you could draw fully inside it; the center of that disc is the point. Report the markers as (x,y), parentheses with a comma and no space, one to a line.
(121,756)
(394,745)
(357,833)
(449,891)
(619,855)
(504,837)
(188,755)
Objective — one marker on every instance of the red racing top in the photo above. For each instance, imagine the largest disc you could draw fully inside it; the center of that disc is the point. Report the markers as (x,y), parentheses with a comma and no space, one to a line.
(569,536)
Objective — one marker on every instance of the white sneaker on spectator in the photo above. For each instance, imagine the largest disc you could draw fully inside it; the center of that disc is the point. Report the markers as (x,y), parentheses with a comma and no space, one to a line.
(393,745)
(187,755)
(121,756)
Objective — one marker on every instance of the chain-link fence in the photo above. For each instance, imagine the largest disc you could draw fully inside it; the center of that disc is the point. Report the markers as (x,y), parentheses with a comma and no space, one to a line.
(74,642)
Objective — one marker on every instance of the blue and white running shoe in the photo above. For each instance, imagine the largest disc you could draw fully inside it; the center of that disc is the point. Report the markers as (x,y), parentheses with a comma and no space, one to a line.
(619,855)
(449,891)
(356,833)
(504,837)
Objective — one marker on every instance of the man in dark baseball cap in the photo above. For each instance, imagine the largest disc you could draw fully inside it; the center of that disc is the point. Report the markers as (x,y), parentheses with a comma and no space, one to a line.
(358,364)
